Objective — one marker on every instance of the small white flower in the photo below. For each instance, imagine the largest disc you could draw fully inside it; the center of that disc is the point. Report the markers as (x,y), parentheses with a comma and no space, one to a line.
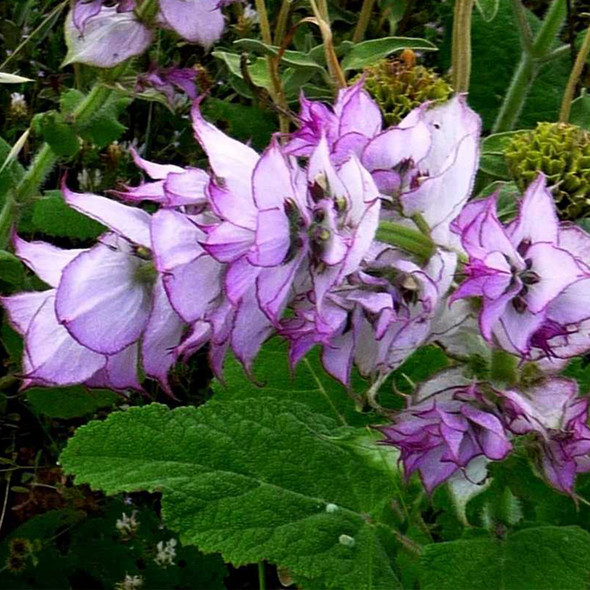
(130,583)
(166,553)
(89,180)
(127,525)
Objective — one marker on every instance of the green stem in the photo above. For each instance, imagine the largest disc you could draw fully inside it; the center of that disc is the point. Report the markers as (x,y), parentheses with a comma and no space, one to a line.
(528,67)
(566,104)
(363,22)
(526,36)
(406,238)
(462,45)
(261,575)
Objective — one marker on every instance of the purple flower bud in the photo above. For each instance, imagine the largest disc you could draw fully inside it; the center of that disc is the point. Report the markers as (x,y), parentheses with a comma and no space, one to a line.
(444,429)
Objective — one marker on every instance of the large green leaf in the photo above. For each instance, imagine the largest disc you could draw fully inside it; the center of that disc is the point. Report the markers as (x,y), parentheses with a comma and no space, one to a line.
(542,558)
(368,52)
(309,384)
(493,160)
(258,479)
(296,59)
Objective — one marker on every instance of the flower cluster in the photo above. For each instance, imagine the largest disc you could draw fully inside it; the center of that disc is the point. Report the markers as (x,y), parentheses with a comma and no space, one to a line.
(345,235)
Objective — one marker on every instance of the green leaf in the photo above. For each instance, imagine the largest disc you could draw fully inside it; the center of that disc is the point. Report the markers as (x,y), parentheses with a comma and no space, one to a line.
(12,342)
(258,69)
(580,111)
(258,479)
(11,268)
(543,558)
(69,402)
(296,59)
(488,8)
(368,52)
(309,384)
(104,127)
(69,100)
(58,133)
(52,216)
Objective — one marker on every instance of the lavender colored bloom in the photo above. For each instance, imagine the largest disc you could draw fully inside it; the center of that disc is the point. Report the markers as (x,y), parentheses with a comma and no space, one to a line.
(51,357)
(109,37)
(111,296)
(426,165)
(168,81)
(376,318)
(85,9)
(104,35)
(198,21)
(278,220)
(444,429)
(558,417)
(532,288)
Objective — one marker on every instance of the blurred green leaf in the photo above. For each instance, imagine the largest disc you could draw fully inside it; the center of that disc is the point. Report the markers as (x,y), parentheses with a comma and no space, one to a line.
(69,402)
(367,53)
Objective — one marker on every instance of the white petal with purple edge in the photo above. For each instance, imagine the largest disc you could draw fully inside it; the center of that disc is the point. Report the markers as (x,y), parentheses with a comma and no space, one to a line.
(128,222)
(109,38)
(199,21)
(45,260)
(55,357)
(100,299)
(232,161)
(161,338)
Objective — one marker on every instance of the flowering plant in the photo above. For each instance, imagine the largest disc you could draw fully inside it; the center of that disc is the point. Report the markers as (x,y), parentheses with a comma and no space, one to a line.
(350,351)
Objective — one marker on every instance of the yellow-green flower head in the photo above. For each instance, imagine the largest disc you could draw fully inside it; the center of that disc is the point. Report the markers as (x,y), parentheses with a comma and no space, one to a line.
(562,152)
(399,86)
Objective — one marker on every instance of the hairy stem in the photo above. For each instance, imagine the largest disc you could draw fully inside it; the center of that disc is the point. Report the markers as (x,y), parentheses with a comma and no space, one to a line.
(462,44)
(363,22)
(264,24)
(528,67)
(570,90)
(282,21)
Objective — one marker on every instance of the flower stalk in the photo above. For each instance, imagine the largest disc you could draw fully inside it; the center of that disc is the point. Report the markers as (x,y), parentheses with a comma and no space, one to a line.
(570,90)
(462,45)
(363,22)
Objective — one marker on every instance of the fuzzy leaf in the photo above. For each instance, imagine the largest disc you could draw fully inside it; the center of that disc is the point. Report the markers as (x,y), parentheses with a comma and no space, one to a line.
(487,8)
(542,558)
(105,127)
(258,479)
(59,134)
(368,52)
(258,69)
(580,110)
(52,216)
(310,384)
